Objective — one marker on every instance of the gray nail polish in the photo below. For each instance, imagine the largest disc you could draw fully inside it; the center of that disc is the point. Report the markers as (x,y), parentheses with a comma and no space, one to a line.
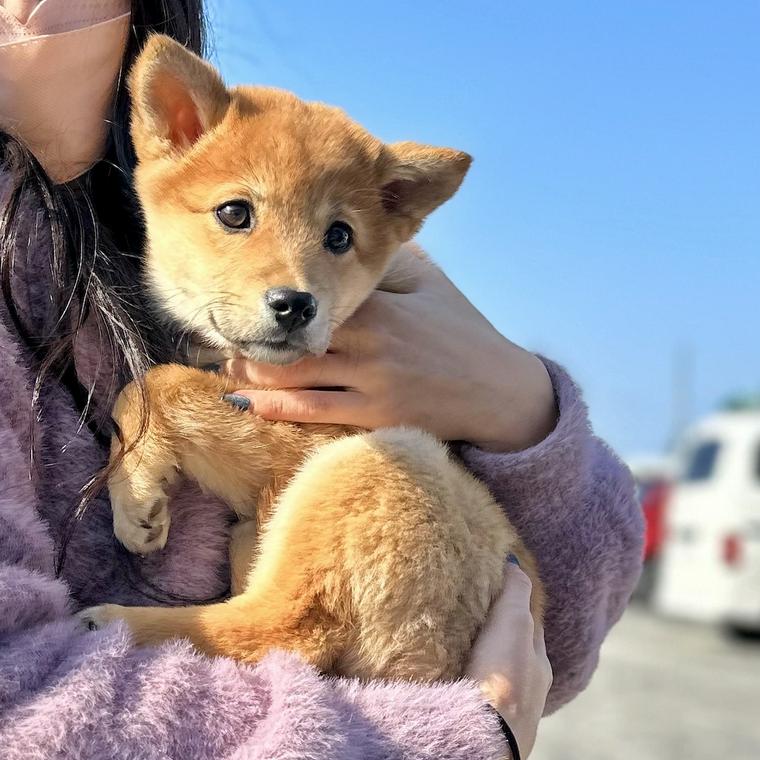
(241,402)
(511,558)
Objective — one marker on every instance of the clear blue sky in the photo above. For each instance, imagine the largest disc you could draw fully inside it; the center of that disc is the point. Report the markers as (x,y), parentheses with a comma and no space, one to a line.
(612,216)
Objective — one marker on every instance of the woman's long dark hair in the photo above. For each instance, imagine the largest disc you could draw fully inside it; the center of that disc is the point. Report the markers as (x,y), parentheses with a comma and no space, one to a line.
(96,237)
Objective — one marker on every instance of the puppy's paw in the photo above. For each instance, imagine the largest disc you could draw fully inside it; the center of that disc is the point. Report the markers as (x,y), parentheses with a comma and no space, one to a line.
(95,618)
(142,527)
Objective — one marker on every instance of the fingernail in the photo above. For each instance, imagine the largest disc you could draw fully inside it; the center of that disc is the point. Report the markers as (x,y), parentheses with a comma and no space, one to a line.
(241,402)
(213,367)
(511,558)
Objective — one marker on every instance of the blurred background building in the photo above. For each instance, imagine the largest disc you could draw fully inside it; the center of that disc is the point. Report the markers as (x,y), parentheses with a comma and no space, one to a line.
(612,221)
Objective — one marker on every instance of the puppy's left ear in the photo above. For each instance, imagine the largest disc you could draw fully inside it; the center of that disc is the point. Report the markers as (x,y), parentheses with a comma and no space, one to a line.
(417,179)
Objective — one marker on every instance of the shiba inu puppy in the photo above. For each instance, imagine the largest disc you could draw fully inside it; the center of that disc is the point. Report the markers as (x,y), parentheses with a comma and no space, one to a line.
(269,221)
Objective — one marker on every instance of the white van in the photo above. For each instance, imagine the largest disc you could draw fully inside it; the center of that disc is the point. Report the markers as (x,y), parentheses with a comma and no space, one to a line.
(710,565)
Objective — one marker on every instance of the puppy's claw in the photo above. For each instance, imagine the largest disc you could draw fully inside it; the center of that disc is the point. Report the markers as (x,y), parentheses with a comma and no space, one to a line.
(95,618)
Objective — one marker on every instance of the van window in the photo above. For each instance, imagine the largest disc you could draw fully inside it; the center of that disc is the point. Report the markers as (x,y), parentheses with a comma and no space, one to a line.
(700,463)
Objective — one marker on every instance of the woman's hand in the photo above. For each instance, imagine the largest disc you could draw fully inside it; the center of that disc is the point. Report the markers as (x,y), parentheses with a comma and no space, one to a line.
(509,660)
(421,355)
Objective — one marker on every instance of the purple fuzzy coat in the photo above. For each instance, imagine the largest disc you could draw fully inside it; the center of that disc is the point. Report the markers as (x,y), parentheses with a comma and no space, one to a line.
(70,693)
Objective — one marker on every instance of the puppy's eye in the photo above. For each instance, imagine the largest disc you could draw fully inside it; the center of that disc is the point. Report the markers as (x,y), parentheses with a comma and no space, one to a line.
(235,215)
(338,238)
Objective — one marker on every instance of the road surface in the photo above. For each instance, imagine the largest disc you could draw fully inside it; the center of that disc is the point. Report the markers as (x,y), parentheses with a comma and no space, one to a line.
(664,690)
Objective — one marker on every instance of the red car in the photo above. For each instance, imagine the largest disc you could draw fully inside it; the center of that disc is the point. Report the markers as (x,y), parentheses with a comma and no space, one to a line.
(654,497)
(654,481)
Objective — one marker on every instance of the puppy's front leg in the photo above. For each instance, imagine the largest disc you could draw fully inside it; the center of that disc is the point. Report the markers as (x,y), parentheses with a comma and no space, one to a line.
(245,537)
(176,420)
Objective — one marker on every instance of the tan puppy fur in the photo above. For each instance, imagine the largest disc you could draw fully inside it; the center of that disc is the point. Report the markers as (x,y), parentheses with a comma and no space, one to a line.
(371,554)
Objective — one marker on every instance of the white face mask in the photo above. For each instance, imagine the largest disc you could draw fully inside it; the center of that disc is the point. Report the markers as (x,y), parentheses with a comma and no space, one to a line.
(59,63)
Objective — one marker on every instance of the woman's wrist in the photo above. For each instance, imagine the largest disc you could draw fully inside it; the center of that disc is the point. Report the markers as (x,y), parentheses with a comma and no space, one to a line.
(508,734)
(496,690)
(521,410)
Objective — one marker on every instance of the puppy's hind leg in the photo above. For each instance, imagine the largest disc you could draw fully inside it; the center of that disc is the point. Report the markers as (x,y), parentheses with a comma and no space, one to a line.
(245,628)
(295,598)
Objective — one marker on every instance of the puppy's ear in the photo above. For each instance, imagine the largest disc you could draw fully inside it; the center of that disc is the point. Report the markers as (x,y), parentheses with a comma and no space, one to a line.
(417,179)
(176,98)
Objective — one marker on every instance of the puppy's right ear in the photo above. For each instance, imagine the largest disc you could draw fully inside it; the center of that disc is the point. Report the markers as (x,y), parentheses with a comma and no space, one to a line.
(176,98)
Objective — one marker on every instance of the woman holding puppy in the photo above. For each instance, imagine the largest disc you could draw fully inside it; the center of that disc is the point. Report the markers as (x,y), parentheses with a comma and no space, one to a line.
(74,328)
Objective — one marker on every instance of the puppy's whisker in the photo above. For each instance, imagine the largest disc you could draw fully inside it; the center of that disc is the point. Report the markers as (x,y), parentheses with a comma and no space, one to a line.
(186,334)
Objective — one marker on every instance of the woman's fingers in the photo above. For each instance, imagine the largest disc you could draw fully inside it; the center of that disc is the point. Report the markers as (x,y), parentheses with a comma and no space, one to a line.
(514,600)
(538,639)
(336,407)
(509,659)
(328,371)
(509,621)
(543,659)
(407,267)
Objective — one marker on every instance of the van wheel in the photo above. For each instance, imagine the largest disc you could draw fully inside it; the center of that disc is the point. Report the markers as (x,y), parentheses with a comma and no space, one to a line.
(744,631)
(647,582)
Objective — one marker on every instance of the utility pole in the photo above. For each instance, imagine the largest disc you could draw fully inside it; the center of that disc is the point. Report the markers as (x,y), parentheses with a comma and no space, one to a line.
(682,398)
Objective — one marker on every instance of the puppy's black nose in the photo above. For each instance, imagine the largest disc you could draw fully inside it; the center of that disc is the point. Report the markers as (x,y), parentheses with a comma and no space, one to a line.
(292,309)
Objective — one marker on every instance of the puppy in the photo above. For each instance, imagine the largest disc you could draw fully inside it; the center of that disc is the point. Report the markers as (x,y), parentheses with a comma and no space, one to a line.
(269,221)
